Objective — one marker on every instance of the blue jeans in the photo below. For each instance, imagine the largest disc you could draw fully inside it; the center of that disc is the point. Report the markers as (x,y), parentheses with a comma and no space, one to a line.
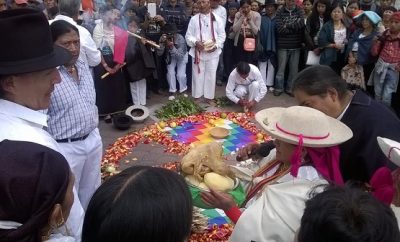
(284,56)
(384,91)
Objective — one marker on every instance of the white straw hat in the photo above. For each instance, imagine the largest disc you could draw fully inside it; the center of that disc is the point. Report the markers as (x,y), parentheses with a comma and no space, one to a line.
(316,128)
(391,149)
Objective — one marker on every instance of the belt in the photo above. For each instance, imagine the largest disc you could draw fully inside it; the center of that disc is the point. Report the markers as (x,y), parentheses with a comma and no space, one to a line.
(72,140)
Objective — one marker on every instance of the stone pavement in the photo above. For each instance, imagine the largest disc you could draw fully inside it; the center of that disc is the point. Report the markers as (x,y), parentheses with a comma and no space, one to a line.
(153,154)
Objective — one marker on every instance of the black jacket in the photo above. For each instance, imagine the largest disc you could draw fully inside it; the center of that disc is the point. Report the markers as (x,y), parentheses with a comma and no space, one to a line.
(361,156)
(290,27)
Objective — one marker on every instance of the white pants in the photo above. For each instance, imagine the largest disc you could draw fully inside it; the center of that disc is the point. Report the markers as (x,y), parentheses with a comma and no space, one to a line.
(203,83)
(267,72)
(180,74)
(84,159)
(138,92)
(75,219)
(253,89)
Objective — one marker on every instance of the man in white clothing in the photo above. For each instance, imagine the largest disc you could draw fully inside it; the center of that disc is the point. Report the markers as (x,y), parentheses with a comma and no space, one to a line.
(205,36)
(27,79)
(69,11)
(246,79)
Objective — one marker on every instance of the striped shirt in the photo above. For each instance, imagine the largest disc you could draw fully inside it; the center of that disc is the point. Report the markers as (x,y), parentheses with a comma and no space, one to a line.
(72,111)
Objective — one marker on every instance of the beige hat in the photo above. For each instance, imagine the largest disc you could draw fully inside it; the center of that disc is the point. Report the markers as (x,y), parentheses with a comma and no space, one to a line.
(316,128)
(391,149)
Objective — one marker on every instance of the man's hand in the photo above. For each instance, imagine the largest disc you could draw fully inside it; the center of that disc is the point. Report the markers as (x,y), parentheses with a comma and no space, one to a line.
(248,152)
(317,51)
(251,104)
(213,49)
(199,45)
(242,102)
(169,44)
(217,199)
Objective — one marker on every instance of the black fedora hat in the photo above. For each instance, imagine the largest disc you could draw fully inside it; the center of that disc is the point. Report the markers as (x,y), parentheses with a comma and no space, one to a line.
(122,121)
(169,28)
(26,44)
(270,2)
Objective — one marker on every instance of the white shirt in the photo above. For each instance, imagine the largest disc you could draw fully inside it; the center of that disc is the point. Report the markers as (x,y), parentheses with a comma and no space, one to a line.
(235,79)
(276,214)
(193,35)
(20,123)
(89,52)
(221,13)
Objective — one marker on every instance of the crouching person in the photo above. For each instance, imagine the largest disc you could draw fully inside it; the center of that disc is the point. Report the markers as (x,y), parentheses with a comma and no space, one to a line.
(245,79)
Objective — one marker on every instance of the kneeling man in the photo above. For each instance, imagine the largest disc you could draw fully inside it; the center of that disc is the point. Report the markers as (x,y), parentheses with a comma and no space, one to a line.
(245,79)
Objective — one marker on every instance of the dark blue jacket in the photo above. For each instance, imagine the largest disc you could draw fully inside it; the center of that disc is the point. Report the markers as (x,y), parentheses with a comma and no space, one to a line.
(327,36)
(364,47)
(361,156)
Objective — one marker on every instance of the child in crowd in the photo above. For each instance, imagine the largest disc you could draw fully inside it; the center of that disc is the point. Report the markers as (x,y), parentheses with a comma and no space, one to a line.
(353,74)
(385,76)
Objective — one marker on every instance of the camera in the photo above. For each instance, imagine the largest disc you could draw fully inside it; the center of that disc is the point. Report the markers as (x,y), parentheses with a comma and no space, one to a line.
(170,37)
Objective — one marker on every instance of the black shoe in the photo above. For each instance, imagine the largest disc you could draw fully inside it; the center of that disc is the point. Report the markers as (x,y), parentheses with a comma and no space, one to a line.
(219,83)
(289,93)
(277,93)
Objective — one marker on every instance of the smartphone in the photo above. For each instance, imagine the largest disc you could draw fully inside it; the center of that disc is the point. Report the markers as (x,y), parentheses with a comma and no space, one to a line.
(152,9)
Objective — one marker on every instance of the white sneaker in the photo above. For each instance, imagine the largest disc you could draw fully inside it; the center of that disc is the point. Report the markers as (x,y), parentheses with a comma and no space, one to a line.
(172,97)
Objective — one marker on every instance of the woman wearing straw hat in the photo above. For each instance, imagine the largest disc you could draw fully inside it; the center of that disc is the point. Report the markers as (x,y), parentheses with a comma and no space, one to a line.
(306,139)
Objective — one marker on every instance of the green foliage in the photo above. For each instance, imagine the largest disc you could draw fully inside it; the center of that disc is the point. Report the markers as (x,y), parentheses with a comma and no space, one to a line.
(223,101)
(179,107)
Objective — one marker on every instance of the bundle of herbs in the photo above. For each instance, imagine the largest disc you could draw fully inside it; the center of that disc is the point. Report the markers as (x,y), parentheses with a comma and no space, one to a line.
(179,107)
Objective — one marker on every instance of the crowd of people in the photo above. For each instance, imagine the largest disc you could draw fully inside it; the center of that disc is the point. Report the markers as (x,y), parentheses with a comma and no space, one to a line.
(357,39)
(65,63)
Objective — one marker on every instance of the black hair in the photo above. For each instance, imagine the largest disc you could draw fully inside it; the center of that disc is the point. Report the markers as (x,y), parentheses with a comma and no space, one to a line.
(314,17)
(2,91)
(134,19)
(354,2)
(337,4)
(61,27)
(347,213)
(316,80)
(243,2)
(69,8)
(140,204)
(243,68)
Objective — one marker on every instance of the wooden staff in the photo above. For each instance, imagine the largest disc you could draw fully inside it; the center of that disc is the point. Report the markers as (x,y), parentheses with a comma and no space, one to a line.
(108,73)
(152,43)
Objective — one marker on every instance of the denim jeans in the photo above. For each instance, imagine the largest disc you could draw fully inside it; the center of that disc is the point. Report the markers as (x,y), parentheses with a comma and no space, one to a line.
(384,91)
(284,56)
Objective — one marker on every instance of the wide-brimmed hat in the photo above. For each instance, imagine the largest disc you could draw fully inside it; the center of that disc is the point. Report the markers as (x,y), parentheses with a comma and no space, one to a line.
(371,15)
(312,126)
(390,148)
(26,44)
(169,28)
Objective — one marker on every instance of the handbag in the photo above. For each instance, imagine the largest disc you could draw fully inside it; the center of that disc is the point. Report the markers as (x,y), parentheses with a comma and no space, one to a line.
(249,44)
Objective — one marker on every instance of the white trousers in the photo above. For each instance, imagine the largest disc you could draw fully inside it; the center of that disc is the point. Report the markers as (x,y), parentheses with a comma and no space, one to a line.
(138,92)
(203,83)
(84,159)
(267,72)
(179,74)
(253,89)
(75,219)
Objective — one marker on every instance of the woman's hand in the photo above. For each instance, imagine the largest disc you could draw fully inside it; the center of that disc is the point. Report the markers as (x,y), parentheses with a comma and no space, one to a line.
(217,199)
(317,51)
(247,152)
